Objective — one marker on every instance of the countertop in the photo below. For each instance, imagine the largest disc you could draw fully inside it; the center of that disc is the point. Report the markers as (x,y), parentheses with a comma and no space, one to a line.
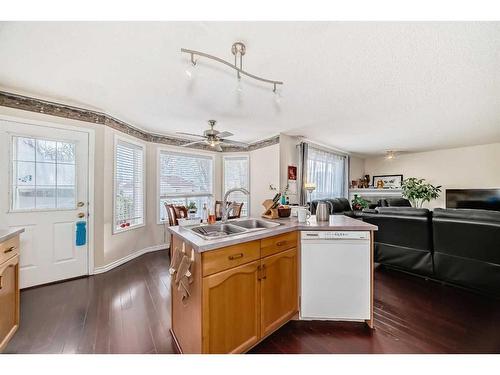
(7,234)
(336,222)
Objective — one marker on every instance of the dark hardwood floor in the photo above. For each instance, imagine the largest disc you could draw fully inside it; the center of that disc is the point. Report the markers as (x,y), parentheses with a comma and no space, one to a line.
(126,310)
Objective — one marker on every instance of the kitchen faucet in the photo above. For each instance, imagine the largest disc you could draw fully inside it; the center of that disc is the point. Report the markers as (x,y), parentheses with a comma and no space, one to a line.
(225,208)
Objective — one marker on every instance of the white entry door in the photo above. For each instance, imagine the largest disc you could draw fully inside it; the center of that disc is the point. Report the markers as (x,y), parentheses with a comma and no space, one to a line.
(44,189)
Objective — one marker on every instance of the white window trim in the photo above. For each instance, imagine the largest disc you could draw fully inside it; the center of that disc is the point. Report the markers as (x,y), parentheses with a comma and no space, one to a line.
(179,150)
(237,155)
(118,138)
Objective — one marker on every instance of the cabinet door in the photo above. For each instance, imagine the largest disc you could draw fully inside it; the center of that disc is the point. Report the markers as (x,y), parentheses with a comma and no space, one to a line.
(231,309)
(9,299)
(278,289)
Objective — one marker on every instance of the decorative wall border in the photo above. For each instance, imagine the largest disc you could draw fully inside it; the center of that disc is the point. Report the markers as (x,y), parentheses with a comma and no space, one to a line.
(27,103)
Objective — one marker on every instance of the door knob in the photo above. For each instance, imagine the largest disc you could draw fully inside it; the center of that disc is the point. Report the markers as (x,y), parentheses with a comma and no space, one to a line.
(80,204)
(81,215)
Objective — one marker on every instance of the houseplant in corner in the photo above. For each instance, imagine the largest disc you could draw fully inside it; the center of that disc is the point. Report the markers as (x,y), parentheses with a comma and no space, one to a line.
(418,191)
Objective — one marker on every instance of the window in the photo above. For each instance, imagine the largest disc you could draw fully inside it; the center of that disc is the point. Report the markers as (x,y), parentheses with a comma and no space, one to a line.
(129,186)
(328,171)
(185,178)
(43,174)
(236,174)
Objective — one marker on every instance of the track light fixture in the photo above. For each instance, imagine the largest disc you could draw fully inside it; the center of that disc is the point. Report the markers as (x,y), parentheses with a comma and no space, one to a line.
(238,49)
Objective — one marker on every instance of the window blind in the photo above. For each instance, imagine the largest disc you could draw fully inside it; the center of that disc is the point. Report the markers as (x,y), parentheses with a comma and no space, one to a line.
(185,178)
(236,174)
(129,185)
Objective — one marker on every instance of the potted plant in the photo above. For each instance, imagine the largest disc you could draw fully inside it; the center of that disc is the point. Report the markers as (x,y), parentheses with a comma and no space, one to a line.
(418,191)
(191,207)
(359,203)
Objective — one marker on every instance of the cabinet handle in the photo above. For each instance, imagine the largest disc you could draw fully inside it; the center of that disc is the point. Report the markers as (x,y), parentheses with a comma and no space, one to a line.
(9,250)
(264,272)
(281,243)
(259,273)
(235,256)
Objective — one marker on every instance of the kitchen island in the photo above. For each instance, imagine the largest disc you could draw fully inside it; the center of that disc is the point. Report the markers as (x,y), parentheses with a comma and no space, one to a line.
(243,287)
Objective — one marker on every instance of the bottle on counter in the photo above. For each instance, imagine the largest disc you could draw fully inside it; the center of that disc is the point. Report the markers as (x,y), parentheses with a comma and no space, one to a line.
(204,213)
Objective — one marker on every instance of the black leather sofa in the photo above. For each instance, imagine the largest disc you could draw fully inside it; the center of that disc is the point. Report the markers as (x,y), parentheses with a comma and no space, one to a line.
(337,206)
(467,248)
(403,239)
(457,246)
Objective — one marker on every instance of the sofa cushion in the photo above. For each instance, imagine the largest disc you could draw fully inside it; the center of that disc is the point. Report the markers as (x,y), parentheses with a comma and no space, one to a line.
(467,214)
(398,202)
(403,211)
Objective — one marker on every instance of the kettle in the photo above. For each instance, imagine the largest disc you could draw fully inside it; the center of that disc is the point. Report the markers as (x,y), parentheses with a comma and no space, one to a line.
(322,211)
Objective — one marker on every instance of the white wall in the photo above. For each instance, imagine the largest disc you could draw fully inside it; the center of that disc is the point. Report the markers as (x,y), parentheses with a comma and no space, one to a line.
(356,168)
(465,167)
(289,155)
(264,170)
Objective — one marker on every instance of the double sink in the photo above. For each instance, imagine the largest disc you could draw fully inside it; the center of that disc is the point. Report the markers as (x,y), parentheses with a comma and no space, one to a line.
(231,228)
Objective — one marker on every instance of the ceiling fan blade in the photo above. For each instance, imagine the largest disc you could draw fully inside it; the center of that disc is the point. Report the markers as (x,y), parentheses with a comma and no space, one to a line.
(192,135)
(224,134)
(191,143)
(234,143)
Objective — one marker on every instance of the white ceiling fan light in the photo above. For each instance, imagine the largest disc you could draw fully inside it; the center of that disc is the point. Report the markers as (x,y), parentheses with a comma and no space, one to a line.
(213,138)
(390,155)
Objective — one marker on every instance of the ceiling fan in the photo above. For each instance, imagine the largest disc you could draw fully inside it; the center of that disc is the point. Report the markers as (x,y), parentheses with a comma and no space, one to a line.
(214,138)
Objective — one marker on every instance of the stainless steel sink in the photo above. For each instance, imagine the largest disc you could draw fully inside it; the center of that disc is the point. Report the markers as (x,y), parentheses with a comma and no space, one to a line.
(255,224)
(209,232)
(233,228)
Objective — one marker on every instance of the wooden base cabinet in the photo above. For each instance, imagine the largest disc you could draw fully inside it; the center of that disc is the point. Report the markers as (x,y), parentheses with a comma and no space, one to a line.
(233,306)
(279,300)
(231,309)
(9,300)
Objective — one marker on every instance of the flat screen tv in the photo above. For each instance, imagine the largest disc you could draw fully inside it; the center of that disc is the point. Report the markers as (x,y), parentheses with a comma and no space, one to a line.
(483,199)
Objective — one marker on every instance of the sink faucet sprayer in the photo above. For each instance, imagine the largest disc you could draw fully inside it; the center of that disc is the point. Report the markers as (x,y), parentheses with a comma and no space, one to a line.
(225,209)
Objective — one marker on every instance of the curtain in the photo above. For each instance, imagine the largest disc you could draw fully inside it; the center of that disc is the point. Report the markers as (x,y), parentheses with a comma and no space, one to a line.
(328,171)
(302,177)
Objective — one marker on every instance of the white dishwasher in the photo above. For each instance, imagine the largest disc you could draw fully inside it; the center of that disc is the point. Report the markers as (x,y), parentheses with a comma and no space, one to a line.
(335,275)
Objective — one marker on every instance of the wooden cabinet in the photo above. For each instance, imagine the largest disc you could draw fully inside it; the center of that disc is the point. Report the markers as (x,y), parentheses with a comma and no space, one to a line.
(279,299)
(238,295)
(231,309)
(273,245)
(229,257)
(9,299)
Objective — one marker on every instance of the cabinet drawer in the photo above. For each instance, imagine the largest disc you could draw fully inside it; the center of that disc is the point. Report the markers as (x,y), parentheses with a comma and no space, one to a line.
(229,257)
(273,245)
(9,248)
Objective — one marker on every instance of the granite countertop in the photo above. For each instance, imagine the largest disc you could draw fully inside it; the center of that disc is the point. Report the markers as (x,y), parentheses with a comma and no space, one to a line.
(336,222)
(7,234)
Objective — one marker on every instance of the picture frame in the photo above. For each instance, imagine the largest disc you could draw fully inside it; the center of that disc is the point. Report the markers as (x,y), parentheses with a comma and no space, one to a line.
(391,181)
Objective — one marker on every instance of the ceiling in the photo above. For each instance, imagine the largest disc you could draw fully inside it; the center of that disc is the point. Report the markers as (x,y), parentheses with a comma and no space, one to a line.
(363,87)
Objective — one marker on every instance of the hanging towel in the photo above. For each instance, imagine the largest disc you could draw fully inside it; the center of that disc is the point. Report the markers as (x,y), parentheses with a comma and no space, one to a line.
(183,277)
(176,259)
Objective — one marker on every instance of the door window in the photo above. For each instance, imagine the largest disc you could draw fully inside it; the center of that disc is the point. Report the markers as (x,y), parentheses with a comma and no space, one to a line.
(43,174)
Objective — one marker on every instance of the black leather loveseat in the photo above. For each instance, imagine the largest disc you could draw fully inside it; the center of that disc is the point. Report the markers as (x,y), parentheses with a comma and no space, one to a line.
(458,246)
(404,238)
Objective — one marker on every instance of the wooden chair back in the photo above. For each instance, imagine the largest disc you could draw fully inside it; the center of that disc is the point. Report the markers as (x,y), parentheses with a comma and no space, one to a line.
(174,213)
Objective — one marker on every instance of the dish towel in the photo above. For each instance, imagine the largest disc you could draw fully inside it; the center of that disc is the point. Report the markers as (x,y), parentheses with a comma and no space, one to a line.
(176,259)
(184,278)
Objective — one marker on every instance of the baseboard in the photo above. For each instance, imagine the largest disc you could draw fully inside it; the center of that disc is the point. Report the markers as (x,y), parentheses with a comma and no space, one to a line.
(128,258)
